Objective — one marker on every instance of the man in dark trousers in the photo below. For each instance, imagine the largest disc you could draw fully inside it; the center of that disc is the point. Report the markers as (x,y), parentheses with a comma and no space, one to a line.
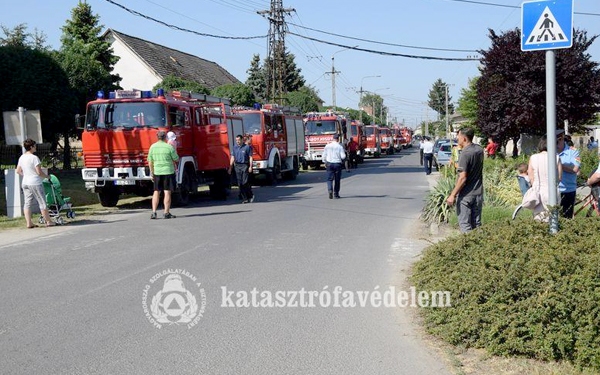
(333,157)
(468,190)
(241,160)
(353,154)
(161,161)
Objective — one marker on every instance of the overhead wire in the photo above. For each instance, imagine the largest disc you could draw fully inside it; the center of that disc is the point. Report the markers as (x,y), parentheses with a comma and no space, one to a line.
(514,6)
(136,13)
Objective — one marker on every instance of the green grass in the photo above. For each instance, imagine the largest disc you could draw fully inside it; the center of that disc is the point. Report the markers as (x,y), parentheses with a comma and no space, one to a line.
(84,202)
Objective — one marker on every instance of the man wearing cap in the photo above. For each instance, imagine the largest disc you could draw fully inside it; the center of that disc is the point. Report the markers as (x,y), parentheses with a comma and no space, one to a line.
(571,162)
(241,161)
(161,161)
(333,157)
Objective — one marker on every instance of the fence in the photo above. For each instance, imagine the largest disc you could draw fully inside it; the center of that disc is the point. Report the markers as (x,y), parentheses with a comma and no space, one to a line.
(9,156)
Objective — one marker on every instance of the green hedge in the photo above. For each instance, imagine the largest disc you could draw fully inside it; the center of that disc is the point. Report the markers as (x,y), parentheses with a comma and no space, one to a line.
(516,290)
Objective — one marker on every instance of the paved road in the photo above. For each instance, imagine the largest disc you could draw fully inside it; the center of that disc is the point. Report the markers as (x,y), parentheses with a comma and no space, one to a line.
(72,297)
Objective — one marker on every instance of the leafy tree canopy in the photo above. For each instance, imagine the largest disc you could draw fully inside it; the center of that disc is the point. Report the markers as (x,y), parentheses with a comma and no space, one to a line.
(511,92)
(37,82)
(171,82)
(20,37)
(437,98)
(238,93)
(306,98)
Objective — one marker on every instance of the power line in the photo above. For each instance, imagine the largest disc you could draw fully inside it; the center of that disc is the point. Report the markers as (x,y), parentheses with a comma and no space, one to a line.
(135,13)
(385,53)
(514,6)
(383,43)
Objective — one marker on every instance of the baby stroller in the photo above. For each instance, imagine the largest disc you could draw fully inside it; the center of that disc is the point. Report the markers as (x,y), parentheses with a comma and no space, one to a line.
(56,201)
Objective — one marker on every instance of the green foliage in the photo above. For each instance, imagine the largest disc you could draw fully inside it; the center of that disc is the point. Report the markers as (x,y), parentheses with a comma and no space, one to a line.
(86,57)
(305,98)
(517,290)
(171,82)
(20,37)
(436,209)
(589,164)
(511,92)
(238,93)
(501,188)
(258,76)
(467,103)
(257,79)
(36,82)
(374,103)
(437,98)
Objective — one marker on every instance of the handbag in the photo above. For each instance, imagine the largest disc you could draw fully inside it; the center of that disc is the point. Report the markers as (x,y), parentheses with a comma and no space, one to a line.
(531,198)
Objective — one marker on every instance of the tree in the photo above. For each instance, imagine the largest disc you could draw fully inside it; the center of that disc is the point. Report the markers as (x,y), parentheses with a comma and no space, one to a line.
(256,80)
(511,92)
(19,37)
(238,93)
(293,79)
(86,57)
(171,82)
(37,82)
(437,98)
(375,103)
(306,99)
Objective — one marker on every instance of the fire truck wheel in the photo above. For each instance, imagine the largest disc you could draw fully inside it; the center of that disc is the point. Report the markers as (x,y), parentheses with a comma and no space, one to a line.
(108,197)
(273,176)
(182,197)
(304,165)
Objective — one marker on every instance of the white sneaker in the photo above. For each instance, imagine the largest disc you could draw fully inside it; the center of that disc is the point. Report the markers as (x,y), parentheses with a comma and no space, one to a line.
(252,199)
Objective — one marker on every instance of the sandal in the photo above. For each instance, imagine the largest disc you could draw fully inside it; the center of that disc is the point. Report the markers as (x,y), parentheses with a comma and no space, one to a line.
(31,227)
(50,224)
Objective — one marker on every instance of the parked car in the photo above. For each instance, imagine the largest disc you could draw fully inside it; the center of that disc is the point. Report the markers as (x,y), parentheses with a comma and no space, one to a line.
(443,155)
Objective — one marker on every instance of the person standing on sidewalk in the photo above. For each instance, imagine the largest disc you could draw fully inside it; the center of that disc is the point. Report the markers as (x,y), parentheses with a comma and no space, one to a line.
(241,161)
(468,190)
(333,157)
(161,161)
(427,155)
(571,164)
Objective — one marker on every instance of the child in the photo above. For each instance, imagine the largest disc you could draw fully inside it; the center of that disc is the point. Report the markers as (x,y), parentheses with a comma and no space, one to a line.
(172,140)
(523,178)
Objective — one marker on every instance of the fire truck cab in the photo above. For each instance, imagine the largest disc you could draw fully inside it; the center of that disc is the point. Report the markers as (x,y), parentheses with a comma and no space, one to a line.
(319,130)
(276,134)
(119,130)
(385,136)
(357,131)
(373,141)
(397,138)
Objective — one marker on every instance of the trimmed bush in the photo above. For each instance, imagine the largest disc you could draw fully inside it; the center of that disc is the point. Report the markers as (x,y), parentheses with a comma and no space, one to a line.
(517,290)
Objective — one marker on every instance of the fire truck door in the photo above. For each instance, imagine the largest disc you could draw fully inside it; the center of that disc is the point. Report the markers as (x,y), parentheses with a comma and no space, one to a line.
(235,127)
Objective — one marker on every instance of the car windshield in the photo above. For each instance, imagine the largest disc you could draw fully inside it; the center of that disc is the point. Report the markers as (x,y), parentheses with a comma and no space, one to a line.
(320,127)
(445,147)
(252,123)
(126,115)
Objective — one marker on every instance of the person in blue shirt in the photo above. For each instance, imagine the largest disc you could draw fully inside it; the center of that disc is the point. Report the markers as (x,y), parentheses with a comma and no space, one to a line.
(241,161)
(571,163)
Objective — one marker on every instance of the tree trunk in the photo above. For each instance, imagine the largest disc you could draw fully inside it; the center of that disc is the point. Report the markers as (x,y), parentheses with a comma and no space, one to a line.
(515,152)
(67,152)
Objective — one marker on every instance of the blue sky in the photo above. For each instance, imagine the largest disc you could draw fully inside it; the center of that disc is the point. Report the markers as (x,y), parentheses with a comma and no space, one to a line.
(404,83)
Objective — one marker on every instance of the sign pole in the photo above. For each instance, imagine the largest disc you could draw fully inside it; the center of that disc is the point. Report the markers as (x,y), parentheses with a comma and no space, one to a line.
(551,138)
(22,111)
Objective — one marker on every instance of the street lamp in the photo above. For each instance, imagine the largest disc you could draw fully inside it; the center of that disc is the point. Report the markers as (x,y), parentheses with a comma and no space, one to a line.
(333,73)
(361,92)
(447,115)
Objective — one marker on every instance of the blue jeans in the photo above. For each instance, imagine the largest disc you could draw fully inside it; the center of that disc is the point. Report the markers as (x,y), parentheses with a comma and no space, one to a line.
(334,174)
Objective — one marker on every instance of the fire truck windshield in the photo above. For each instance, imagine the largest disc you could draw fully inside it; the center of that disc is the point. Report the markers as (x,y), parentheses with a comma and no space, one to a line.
(354,131)
(369,130)
(252,123)
(126,115)
(320,127)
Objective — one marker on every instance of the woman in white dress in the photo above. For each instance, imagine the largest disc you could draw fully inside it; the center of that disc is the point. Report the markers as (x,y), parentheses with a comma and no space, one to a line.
(538,175)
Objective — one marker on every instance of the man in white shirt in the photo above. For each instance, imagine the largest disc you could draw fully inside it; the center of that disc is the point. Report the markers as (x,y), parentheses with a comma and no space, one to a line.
(427,154)
(333,157)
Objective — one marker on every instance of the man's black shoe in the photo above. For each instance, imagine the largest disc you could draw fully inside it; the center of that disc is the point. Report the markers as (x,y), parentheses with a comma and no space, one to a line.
(330,195)
(153,216)
(337,196)
(168,215)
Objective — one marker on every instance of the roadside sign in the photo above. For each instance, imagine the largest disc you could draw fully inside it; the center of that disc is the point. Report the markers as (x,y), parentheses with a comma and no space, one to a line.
(546,24)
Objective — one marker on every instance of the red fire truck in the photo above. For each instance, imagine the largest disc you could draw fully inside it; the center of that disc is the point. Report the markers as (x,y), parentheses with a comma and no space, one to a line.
(385,136)
(276,134)
(397,138)
(373,142)
(119,130)
(357,131)
(407,133)
(319,130)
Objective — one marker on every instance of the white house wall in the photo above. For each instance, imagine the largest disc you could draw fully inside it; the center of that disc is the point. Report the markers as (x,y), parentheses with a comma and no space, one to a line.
(135,73)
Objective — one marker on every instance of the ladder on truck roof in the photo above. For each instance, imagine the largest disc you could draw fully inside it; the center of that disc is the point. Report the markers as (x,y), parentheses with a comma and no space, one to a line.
(197,97)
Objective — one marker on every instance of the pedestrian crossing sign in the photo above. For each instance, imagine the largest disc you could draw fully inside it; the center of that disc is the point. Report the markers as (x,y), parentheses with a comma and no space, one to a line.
(546,24)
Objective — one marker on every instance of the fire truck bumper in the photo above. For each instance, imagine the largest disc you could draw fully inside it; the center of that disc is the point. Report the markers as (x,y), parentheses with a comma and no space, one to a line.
(313,155)
(99,177)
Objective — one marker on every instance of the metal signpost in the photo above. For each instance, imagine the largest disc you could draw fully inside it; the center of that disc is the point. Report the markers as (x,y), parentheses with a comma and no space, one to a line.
(548,25)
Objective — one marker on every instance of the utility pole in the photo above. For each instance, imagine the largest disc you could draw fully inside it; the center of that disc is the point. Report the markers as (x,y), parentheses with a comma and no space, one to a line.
(276,64)
(333,73)
(361,93)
